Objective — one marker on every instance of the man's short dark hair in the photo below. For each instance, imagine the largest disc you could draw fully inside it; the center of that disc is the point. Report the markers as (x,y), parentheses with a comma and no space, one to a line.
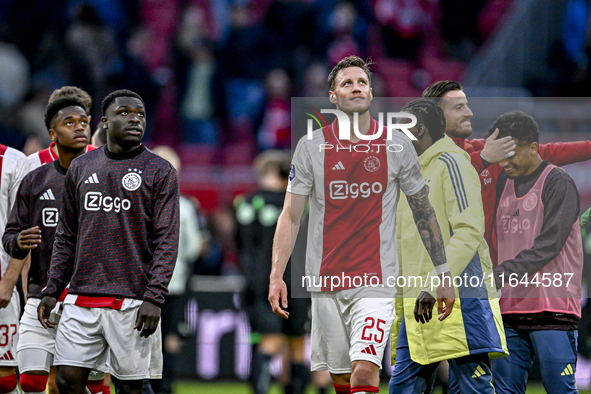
(439,89)
(72,91)
(516,124)
(430,114)
(55,106)
(119,93)
(349,61)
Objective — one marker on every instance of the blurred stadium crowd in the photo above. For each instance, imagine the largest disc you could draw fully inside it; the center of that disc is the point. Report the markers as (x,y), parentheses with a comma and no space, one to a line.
(222,72)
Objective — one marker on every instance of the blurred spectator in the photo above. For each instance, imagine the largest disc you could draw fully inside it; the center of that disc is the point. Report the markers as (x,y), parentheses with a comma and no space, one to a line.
(190,246)
(291,26)
(569,57)
(275,128)
(195,70)
(459,23)
(402,25)
(257,216)
(31,116)
(315,83)
(343,22)
(243,61)
(96,46)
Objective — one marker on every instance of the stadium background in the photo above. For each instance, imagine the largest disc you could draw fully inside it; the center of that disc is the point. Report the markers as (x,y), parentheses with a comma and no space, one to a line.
(217,77)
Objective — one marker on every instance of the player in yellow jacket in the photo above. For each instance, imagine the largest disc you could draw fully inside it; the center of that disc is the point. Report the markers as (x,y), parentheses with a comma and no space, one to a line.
(473,334)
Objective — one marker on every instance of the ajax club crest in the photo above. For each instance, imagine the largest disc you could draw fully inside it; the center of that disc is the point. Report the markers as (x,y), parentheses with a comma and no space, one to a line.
(132,180)
(371,163)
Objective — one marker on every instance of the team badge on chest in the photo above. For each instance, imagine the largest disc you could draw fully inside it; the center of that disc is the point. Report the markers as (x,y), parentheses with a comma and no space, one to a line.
(132,180)
(371,163)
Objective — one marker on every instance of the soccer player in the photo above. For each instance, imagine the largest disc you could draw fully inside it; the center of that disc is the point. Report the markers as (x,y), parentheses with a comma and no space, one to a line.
(31,227)
(539,240)
(116,244)
(257,216)
(474,332)
(353,199)
(485,154)
(51,153)
(13,168)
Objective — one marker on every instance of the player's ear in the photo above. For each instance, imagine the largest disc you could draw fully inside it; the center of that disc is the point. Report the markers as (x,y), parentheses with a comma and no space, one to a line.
(89,119)
(533,148)
(52,134)
(104,120)
(332,97)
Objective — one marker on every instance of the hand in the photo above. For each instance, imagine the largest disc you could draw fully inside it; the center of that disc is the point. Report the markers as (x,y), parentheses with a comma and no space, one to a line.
(147,319)
(497,150)
(586,218)
(29,238)
(278,291)
(424,307)
(5,293)
(44,310)
(445,295)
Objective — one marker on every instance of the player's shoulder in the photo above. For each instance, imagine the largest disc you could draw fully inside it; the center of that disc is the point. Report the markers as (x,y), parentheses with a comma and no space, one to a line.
(12,154)
(13,157)
(157,160)
(559,175)
(311,142)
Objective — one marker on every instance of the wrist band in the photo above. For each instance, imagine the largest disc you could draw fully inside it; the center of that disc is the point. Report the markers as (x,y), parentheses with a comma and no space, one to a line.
(486,163)
(442,268)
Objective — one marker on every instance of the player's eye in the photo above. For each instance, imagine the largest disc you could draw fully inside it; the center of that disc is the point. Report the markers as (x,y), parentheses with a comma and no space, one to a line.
(141,114)
(124,112)
(84,122)
(69,123)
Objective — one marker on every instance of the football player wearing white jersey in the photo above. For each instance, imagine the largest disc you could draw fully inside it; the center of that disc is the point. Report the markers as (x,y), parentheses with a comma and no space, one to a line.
(13,168)
(353,189)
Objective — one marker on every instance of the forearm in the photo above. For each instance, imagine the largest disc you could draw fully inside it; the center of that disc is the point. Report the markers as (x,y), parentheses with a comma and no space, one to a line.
(283,243)
(477,162)
(11,246)
(10,277)
(563,153)
(426,221)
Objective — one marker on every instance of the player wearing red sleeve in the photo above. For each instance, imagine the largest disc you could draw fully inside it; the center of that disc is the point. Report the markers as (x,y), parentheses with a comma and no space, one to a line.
(486,154)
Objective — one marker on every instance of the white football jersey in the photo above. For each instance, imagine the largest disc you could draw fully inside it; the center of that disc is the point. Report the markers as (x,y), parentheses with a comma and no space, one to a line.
(13,166)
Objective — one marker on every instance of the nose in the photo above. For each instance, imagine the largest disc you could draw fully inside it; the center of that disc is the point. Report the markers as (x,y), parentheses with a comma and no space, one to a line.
(469,113)
(133,118)
(504,163)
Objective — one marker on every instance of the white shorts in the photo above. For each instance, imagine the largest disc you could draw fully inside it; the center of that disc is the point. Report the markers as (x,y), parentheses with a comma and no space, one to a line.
(85,336)
(348,329)
(35,341)
(9,317)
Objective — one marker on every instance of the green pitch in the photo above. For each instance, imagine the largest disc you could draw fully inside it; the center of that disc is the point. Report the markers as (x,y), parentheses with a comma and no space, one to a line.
(189,387)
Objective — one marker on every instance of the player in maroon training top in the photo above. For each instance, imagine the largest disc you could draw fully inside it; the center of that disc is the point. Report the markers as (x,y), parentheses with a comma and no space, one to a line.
(116,245)
(31,227)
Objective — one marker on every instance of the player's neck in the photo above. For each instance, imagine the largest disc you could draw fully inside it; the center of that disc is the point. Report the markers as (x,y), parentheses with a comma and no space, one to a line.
(122,149)
(364,123)
(65,155)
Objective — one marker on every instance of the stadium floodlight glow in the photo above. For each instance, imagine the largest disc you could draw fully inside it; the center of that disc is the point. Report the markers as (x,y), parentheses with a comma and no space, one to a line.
(345,125)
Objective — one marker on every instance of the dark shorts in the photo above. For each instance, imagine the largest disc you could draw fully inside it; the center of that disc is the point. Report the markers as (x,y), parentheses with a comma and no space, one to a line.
(264,321)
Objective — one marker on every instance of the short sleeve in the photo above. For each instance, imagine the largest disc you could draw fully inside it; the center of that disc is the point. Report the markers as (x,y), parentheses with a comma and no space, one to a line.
(301,178)
(410,176)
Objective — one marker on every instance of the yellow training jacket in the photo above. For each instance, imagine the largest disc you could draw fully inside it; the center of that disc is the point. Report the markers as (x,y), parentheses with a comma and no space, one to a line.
(475,326)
